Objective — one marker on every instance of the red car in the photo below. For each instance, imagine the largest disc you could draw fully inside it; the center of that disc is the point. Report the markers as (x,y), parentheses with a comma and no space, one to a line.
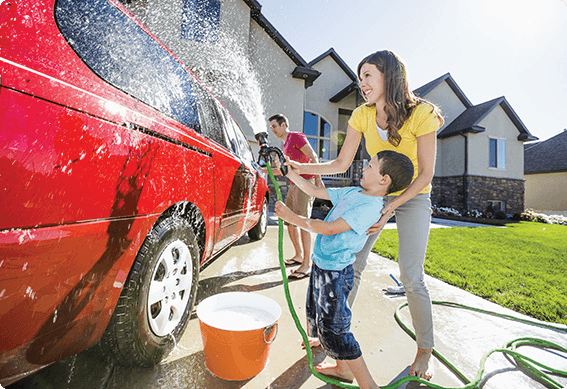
(120,175)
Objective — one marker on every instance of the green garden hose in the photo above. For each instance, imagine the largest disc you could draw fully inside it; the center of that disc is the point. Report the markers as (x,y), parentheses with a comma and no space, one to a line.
(532,366)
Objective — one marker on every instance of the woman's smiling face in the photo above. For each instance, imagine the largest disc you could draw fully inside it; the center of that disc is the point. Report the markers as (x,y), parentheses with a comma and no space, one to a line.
(371,82)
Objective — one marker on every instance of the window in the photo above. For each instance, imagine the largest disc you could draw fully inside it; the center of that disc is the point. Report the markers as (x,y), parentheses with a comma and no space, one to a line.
(497,205)
(200,20)
(239,144)
(318,133)
(497,153)
(123,55)
(213,121)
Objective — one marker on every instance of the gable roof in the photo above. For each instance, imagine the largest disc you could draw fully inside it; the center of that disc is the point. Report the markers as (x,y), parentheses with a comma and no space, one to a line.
(347,90)
(352,87)
(531,144)
(333,54)
(547,156)
(425,89)
(303,69)
(468,121)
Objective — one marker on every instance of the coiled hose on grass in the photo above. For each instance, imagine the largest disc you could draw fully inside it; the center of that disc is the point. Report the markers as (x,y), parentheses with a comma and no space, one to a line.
(533,367)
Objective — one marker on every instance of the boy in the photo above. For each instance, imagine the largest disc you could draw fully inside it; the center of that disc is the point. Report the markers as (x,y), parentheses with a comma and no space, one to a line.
(339,236)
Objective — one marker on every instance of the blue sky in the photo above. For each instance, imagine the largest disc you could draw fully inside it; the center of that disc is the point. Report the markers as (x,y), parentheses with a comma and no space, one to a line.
(492,48)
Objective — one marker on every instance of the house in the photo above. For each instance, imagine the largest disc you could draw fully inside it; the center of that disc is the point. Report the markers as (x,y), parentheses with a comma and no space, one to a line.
(479,165)
(255,72)
(545,173)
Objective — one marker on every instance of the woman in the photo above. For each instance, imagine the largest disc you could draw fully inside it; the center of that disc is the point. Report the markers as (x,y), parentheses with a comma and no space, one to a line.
(395,119)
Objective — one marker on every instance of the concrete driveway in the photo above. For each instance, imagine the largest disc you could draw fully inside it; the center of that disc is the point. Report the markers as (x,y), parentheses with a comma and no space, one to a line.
(462,336)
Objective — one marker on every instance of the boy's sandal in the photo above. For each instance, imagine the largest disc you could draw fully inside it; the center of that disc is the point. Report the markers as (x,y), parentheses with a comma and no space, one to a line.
(297,275)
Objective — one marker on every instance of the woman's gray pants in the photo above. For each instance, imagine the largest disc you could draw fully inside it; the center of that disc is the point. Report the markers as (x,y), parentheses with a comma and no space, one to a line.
(413,219)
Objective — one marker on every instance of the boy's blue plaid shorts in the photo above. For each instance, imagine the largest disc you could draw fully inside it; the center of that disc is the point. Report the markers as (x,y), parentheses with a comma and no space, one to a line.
(328,313)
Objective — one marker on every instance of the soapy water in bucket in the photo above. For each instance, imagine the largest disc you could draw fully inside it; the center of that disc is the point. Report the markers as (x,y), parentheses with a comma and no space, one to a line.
(239,318)
(237,329)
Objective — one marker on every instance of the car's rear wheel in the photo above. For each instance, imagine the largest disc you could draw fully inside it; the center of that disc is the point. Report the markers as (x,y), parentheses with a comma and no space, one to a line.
(259,230)
(157,298)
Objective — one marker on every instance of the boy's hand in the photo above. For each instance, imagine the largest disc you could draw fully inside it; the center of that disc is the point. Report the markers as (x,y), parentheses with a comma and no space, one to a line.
(283,212)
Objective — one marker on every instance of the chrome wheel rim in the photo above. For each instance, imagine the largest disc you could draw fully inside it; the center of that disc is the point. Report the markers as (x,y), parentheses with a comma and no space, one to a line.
(170,288)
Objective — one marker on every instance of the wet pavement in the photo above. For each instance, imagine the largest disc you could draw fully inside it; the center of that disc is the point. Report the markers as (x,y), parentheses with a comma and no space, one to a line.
(462,336)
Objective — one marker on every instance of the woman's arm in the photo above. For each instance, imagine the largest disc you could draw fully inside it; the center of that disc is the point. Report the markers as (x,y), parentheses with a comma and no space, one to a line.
(308,150)
(339,165)
(306,186)
(426,168)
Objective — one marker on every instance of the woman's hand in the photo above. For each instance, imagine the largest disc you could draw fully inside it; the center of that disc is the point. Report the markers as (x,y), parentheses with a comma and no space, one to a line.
(293,165)
(386,215)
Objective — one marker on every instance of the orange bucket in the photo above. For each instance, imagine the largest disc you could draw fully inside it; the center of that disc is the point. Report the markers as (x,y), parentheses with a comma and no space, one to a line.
(237,329)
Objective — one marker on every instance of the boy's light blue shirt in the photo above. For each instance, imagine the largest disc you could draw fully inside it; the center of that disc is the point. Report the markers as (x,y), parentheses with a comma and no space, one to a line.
(360,211)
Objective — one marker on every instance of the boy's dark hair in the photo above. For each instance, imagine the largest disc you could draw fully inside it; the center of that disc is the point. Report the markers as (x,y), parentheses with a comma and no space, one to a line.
(280,118)
(398,166)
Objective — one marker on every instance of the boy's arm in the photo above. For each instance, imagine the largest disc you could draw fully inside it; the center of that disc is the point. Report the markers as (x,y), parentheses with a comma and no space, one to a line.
(318,226)
(307,186)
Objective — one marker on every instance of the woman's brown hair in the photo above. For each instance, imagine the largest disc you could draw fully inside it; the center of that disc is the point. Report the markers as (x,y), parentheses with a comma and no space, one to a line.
(400,100)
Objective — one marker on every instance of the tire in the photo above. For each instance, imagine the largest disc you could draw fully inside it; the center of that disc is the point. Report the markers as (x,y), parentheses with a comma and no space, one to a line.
(259,230)
(157,298)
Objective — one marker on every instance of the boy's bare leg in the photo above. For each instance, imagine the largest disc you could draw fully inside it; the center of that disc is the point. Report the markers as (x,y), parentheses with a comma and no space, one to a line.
(349,370)
(338,370)
(313,342)
(361,373)
(420,365)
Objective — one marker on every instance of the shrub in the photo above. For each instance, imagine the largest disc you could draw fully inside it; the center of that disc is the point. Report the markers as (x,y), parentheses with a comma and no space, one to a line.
(500,215)
(532,216)
(475,213)
(444,211)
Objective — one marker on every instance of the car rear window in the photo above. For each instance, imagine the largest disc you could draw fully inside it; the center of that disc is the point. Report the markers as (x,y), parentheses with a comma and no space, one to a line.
(122,54)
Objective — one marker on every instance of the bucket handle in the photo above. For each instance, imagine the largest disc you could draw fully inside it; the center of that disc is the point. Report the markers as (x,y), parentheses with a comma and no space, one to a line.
(268,331)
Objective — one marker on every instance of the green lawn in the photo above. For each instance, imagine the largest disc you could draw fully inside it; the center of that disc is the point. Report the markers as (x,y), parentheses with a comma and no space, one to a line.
(522,267)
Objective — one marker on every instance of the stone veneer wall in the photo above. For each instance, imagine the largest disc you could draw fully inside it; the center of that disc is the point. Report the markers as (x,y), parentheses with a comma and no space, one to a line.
(448,192)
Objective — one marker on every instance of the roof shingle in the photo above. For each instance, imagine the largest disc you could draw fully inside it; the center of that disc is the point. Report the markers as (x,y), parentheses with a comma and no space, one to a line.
(547,156)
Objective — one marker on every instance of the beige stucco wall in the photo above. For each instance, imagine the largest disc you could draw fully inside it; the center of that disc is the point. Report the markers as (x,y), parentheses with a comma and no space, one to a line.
(331,81)
(444,97)
(450,157)
(498,125)
(450,151)
(281,93)
(546,192)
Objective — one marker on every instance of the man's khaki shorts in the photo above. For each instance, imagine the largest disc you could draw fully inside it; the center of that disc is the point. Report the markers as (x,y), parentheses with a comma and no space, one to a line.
(299,201)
